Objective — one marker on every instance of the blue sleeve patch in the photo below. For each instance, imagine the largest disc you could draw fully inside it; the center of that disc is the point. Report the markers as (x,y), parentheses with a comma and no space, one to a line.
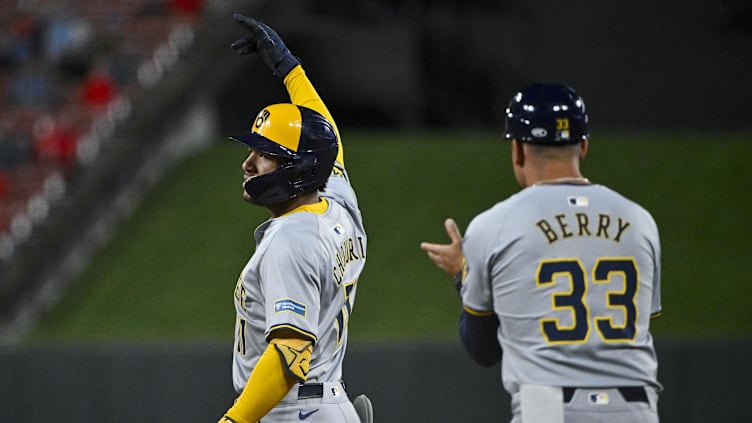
(292,306)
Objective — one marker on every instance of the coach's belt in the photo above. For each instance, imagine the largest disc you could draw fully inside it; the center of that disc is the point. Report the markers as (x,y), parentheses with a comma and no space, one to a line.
(313,390)
(629,393)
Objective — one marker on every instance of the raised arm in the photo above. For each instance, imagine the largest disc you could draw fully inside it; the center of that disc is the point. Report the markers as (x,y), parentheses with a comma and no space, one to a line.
(264,41)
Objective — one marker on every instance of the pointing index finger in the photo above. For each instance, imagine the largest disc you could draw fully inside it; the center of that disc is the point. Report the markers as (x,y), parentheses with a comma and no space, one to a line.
(244,20)
(453,231)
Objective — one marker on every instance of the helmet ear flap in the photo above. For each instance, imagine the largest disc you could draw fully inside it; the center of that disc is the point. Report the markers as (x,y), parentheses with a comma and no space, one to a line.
(305,161)
(299,170)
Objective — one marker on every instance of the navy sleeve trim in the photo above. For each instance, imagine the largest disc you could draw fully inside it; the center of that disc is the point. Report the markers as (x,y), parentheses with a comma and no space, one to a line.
(478,335)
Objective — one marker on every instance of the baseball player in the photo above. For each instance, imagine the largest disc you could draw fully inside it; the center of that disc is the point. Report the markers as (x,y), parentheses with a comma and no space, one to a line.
(563,277)
(295,296)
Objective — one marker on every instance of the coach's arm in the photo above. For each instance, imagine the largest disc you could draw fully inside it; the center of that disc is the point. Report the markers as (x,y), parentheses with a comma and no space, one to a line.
(478,335)
(477,329)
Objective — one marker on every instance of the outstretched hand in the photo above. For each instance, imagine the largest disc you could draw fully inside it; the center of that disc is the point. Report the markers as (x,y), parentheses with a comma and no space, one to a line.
(267,43)
(448,257)
(247,44)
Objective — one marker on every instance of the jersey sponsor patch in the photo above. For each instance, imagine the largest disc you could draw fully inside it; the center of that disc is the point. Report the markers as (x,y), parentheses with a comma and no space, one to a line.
(287,304)
(598,398)
(580,201)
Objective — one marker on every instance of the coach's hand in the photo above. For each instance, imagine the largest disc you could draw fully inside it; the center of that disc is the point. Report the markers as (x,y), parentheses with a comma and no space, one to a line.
(447,256)
(264,41)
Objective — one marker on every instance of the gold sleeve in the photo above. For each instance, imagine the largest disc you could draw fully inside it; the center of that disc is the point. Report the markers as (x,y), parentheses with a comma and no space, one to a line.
(268,384)
(303,93)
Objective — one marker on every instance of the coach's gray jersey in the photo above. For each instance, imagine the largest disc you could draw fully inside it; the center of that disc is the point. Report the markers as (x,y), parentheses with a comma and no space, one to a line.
(573,272)
(303,277)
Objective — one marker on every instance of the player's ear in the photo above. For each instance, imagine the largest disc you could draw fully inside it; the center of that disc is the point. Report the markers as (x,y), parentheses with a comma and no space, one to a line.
(583,149)
(518,153)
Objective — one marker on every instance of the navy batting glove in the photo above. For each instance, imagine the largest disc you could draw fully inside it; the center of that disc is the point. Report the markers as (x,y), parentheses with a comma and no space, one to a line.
(267,43)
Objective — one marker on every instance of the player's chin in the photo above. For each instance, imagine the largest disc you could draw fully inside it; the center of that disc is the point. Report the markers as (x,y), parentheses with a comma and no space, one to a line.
(247,197)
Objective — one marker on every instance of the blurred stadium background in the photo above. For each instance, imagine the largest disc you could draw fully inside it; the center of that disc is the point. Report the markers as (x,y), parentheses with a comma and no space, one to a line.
(122,231)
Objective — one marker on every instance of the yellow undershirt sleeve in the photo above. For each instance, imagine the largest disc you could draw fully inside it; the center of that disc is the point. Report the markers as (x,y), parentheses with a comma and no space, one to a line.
(268,384)
(303,93)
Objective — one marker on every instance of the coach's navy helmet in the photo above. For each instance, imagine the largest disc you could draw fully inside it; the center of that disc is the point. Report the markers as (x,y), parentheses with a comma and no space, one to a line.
(305,141)
(546,113)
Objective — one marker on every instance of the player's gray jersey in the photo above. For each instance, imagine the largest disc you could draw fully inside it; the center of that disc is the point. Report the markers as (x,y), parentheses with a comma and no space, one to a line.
(303,277)
(573,272)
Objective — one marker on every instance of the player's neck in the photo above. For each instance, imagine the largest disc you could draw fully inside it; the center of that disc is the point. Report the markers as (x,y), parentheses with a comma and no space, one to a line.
(579,180)
(279,209)
(562,175)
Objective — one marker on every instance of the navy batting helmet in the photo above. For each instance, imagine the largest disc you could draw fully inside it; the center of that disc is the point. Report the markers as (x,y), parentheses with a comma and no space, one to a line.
(545,113)
(305,141)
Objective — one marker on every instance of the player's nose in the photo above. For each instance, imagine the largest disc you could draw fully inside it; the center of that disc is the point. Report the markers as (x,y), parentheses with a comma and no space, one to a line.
(248,166)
